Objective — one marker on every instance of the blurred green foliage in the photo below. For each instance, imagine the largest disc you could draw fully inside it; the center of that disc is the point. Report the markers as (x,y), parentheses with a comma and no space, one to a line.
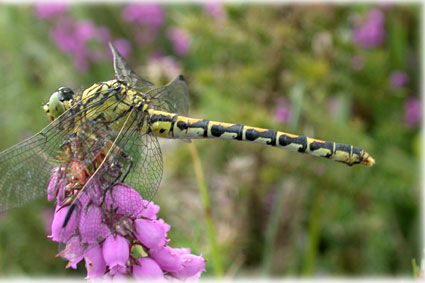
(276,213)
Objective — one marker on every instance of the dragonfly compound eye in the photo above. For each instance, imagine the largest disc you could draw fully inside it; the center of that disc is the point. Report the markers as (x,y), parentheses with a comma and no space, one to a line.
(55,107)
(65,93)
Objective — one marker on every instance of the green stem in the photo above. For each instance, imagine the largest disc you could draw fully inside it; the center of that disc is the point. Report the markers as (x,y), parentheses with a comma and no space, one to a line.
(271,231)
(415,268)
(314,235)
(218,267)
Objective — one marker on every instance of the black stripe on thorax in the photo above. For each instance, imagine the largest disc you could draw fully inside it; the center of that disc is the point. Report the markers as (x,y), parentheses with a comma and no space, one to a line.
(284,140)
(218,130)
(173,121)
(161,118)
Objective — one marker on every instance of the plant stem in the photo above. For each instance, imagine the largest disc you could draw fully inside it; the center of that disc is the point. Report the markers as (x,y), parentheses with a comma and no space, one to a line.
(271,231)
(203,189)
(314,235)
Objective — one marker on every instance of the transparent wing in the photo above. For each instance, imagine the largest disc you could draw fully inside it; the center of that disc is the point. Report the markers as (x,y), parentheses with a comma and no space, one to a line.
(146,173)
(138,156)
(26,167)
(173,97)
(123,72)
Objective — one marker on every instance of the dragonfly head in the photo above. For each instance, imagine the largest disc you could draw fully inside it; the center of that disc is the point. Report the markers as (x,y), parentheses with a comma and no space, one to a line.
(55,107)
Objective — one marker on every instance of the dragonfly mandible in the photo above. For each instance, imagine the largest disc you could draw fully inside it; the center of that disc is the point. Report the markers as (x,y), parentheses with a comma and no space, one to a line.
(110,131)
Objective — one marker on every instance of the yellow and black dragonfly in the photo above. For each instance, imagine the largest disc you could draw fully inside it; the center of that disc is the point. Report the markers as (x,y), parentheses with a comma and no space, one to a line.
(110,130)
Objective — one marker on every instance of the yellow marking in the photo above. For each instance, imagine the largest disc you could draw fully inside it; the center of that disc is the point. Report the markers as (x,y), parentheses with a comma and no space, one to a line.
(341,156)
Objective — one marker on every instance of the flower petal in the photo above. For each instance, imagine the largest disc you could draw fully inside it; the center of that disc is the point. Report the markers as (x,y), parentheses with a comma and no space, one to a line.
(58,221)
(126,199)
(116,252)
(95,264)
(167,258)
(92,229)
(147,268)
(151,233)
(192,266)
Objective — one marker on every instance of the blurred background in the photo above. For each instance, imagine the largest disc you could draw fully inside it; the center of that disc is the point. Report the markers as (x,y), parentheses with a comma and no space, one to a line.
(344,73)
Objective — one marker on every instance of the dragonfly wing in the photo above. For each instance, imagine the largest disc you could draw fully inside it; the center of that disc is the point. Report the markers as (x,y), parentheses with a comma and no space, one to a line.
(25,168)
(134,156)
(146,174)
(123,72)
(173,97)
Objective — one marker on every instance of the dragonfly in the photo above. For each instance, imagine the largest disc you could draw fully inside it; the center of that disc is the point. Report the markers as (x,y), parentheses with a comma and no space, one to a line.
(111,129)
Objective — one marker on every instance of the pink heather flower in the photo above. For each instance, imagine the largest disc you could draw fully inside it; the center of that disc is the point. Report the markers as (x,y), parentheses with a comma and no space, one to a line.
(85,30)
(58,220)
(73,252)
(282,111)
(123,46)
(73,37)
(126,200)
(95,264)
(412,112)
(45,11)
(103,233)
(398,79)
(116,252)
(149,209)
(180,39)
(215,10)
(371,32)
(192,267)
(151,15)
(53,185)
(91,226)
(168,258)
(151,233)
(147,268)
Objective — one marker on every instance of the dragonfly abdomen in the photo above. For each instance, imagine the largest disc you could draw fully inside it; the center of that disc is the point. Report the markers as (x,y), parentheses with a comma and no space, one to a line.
(171,125)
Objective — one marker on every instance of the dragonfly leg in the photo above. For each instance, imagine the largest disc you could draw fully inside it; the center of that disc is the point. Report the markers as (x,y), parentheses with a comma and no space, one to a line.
(130,165)
(120,174)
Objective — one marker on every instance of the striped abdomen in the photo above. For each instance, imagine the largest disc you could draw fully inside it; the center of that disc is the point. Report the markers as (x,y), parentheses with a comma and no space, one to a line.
(170,125)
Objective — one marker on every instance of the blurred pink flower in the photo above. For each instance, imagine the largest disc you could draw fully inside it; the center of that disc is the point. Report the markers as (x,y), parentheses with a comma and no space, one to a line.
(151,15)
(47,10)
(215,10)
(398,79)
(412,112)
(180,39)
(282,112)
(72,37)
(371,31)
(163,66)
